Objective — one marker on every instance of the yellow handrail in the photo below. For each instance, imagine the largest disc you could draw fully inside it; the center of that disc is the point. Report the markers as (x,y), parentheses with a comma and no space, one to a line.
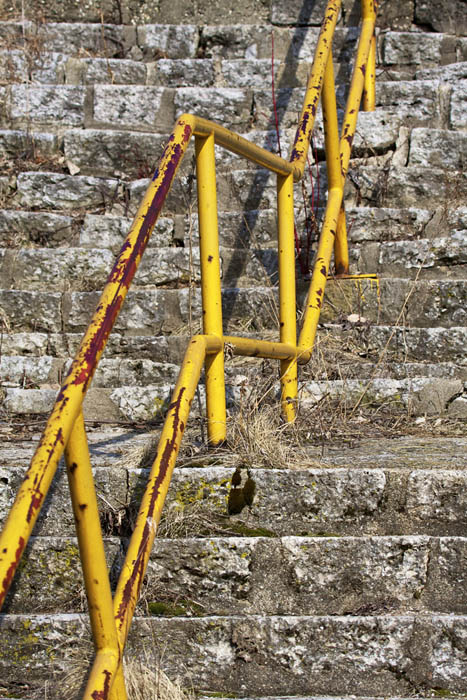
(110,620)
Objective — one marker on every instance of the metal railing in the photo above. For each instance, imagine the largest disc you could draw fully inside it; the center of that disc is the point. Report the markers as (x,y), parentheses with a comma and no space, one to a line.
(65,431)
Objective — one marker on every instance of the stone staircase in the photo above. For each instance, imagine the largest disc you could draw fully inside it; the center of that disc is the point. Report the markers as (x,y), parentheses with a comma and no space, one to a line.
(346,576)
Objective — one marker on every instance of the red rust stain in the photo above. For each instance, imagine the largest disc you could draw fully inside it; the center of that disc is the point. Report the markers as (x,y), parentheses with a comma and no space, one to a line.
(210,258)
(38,496)
(136,575)
(324,271)
(319,292)
(126,264)
(11,570)
(363,69)
(104,693)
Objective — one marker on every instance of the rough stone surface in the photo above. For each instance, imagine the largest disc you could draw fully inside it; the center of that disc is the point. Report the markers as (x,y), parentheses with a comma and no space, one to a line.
(89,71)
(47,104)
(18,227)
(449,18)
(230,107)
(57,191)
(458,106)
(110,232)
(315,654)
(438,148)
(133,107)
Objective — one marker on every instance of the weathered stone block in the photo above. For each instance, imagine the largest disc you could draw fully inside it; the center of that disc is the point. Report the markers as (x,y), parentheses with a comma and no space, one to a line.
(448,17)
(48,68)
(57,191)
(70,37)
(182,72)
(18,227)
(168,41)
(412,48)
(89,71)
(133,107)
(35,311)
(126,154)
(48,104)
(73,268)
(111,231)
(458,105)
(438,148)
(28,145)
(228,106)
(14,66)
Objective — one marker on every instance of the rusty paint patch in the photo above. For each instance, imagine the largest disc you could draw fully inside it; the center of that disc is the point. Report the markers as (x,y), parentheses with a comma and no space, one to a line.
(104,693)
(324,271)
(136,576)
(341,269)
(37,496)
(11,569)
(126,264)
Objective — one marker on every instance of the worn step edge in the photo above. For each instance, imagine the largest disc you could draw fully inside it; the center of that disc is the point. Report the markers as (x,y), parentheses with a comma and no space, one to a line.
(287,575)
(227,652)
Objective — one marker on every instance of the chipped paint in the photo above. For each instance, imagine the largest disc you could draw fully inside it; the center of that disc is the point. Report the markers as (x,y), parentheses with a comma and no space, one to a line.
(135,578)
(104,693)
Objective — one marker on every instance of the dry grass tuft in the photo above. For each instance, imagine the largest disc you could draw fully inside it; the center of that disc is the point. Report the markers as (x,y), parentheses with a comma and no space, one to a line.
(142,682)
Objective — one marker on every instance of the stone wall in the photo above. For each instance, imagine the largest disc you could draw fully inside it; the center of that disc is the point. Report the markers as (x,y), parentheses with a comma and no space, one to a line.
(448,16)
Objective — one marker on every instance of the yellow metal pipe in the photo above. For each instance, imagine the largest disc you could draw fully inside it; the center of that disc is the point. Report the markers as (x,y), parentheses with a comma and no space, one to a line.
(211,285)
(320,272)
(333,161)
(369,90)
(241,146)
(355,93)
(252,347)
(93,562)
(134,567)
(287,300)
(315,82)
(38,478)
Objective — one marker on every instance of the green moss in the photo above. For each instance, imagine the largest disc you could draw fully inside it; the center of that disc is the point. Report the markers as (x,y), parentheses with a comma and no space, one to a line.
(245,531)
(181,608)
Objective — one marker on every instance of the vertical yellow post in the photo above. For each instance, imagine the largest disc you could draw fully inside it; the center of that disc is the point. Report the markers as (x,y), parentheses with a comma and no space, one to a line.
(211,285)
(287,302)
(96,577)
(369,90)
(333,161)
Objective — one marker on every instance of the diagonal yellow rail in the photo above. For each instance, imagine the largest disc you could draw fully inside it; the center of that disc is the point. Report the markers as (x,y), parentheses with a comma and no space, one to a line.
(65,431)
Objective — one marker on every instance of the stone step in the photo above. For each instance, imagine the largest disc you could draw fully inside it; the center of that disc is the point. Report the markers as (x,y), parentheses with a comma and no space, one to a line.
(370,185)
(53,68)
(258,575)
(343,343)
(157,311)
(32,372)
(153,108)
(78,269)
(267,654)
(314,502)
(148,395)
(255,228)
